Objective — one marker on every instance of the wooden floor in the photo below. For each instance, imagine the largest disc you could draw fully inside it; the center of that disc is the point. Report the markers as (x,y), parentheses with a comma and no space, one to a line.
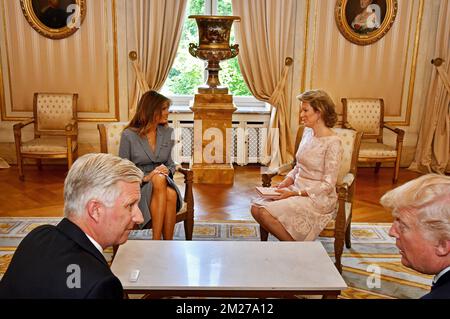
(41,194)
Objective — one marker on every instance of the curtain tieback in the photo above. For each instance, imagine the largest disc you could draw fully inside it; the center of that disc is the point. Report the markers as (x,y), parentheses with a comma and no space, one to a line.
(444,77)
(279,89)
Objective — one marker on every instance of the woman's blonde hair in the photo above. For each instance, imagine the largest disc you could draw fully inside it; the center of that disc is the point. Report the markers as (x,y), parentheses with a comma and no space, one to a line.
(321,102)
(428,197)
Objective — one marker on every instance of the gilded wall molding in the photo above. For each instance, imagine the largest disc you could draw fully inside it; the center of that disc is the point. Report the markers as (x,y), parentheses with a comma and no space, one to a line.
(8,107)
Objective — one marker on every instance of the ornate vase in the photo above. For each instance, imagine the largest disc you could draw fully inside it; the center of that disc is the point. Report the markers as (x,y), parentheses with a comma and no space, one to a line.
(214,46)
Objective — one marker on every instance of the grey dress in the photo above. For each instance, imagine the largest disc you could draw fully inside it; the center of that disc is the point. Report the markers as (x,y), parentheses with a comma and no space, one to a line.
(136,149)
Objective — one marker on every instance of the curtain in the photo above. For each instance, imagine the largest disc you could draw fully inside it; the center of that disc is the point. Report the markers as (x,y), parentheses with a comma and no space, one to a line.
(433,146)
(157,30)
(266,40)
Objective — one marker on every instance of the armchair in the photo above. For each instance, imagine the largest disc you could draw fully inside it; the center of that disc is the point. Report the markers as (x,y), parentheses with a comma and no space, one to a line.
(109,143)
(340,227)
(367,116)
(55,130)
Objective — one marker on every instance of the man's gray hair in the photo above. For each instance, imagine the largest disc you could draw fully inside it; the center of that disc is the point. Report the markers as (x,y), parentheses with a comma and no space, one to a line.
(428,197)
(95,176)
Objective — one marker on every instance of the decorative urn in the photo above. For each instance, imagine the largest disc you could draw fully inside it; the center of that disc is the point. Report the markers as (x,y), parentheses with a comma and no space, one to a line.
(214,46)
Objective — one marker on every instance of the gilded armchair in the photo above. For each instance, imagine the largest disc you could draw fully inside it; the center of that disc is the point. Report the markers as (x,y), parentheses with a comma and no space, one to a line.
(109,143)
(367,116)
(55,130)
(340,226)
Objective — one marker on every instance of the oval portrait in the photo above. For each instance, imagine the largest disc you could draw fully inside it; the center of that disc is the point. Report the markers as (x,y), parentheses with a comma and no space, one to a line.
(54,19)
(365,21)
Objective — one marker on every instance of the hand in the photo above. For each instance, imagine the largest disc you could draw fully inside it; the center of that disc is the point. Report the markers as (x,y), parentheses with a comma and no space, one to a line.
(285,183)
(285,193)
(162,169)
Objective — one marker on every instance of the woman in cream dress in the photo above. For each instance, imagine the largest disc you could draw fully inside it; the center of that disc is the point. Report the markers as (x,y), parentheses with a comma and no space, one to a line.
(308,196)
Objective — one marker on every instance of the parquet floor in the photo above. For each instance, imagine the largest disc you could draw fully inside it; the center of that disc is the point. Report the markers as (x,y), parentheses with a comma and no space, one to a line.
(41,194)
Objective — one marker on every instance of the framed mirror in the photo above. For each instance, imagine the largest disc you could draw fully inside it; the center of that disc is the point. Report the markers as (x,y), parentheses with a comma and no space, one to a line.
(364,22)
(54,19)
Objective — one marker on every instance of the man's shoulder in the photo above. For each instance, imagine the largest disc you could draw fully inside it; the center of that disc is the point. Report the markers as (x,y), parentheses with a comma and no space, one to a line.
(41,232)
(441,290)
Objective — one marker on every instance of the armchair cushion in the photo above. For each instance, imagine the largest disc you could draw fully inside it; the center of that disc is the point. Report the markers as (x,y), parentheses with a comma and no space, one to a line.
(364,115)
(53,111)
(114,132)
(47,145)
(348,140)
(377,150)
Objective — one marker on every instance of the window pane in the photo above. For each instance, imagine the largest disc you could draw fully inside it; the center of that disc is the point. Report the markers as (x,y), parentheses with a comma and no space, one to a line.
(224,8)
(187,72)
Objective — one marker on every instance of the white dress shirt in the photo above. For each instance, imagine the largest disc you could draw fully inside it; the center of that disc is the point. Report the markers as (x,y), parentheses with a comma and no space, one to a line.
(97,245)
(439,275)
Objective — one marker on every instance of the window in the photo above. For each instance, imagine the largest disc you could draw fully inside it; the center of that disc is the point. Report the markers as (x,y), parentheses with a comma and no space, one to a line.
(188,73)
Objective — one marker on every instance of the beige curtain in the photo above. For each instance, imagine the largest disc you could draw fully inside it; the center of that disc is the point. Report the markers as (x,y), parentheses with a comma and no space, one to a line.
(265,36)
(433,146)
(157,29)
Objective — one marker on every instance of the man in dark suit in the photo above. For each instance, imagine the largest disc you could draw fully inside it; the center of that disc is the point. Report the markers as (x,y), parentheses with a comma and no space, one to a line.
(421,210)
(101,196)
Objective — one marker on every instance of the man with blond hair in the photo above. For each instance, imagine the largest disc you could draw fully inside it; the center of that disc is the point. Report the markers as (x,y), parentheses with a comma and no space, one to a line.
(101,196)
(421,210)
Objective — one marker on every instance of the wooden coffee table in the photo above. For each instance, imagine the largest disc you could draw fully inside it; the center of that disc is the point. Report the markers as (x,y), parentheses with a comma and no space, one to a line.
(227,269)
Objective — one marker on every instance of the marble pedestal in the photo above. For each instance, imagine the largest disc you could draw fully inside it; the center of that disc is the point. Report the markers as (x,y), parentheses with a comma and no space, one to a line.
(212,138)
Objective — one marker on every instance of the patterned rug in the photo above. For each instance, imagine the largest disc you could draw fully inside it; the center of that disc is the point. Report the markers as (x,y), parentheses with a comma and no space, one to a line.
(371,268)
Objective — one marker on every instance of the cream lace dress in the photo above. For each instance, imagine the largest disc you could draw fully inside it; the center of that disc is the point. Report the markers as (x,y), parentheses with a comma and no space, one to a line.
(316,171)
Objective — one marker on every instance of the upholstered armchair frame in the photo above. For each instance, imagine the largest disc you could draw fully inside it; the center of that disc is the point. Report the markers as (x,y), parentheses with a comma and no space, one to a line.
(340,227)
(375,132)
(186,213)
(66,130)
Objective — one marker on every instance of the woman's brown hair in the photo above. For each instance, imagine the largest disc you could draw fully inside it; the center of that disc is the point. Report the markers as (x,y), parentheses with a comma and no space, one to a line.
(149,107)
(321,102)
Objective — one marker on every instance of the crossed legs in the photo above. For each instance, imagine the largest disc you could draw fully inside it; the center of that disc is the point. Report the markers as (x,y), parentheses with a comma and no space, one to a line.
(270,223)
(163,205)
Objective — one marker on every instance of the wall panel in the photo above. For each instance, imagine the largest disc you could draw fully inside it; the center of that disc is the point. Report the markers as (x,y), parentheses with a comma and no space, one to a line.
(384,69)
(85,63)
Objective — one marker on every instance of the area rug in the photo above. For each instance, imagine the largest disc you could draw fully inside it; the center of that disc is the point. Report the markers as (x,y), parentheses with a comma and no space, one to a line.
(371,267)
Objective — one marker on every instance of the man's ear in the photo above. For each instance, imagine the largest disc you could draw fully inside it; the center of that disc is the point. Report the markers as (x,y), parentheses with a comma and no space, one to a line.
(94,208)
(443,248)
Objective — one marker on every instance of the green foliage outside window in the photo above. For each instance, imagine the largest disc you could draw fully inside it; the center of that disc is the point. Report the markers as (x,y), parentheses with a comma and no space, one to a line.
(187,72)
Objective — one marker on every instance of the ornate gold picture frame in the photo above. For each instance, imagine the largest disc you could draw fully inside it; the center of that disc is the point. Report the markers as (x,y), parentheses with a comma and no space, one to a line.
(54,19)
(364,22)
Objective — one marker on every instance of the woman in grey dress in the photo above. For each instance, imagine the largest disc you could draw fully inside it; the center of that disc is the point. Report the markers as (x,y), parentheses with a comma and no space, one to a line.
(148,142)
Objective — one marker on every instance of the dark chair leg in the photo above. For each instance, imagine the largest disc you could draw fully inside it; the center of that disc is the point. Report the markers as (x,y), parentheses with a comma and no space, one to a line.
(396,169)
(377,167)
(20,166)
(338,249)
(188,228)
(264,233)
(39,164)
(348,233)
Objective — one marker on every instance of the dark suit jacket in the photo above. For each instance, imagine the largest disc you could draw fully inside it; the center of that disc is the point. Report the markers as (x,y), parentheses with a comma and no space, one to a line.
(441,289)
(41,266)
